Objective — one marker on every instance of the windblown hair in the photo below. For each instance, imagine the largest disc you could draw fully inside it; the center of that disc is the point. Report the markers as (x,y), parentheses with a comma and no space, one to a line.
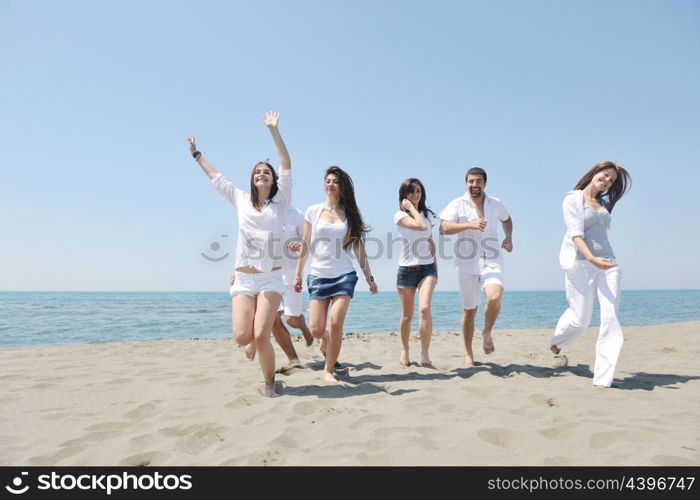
(254,197)
(407,187)
(621,185)
(475,171)
(356,226)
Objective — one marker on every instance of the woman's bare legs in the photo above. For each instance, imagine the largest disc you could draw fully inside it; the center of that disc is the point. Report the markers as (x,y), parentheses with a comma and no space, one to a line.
(338,310)
(407,298)
(426,289)
(242,316)
(266,311)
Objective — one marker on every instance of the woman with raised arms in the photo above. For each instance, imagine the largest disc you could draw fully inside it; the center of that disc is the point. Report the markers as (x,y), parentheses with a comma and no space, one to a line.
(258,287)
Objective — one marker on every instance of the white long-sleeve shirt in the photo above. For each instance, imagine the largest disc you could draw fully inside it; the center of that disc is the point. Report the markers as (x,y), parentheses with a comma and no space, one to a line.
(572,207)
(260,233)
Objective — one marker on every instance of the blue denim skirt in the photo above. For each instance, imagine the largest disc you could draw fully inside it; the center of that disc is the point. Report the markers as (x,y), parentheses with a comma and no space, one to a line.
(411,276)
(325,288)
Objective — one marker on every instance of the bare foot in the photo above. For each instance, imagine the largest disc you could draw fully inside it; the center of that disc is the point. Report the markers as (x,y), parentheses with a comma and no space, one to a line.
(329,378)
(468,360)
(250,351)
(322,346)
(555,349)
(270,391)
(403,360)
(488,342)
(425,360)
(293,363)
(308,338)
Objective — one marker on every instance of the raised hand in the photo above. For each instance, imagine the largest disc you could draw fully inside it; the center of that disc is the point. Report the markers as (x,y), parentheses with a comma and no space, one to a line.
(406,204)
(271,119)
(193,146)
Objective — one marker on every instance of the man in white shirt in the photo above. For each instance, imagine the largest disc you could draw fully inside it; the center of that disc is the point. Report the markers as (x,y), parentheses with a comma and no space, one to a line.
(478,257)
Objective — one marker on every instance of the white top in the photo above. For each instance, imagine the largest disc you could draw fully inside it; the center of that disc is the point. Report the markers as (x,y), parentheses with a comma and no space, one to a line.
(472,244)
(415,244)
(292,230)
(574,219)
(259,242)
(328,257)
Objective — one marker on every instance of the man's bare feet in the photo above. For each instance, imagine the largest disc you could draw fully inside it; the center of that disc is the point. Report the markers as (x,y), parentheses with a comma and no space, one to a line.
(555,349)
(468,360)
(329,378)
(403,360)
(250,351)
(293,363)
(308,338)
(425,360)
(488,342)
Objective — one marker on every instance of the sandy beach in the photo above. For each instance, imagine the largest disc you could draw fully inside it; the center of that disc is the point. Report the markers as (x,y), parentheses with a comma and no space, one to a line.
(198,402)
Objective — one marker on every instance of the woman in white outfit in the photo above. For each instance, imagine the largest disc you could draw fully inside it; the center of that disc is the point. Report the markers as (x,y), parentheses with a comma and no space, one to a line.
(417,265)
(590,266)
(332,230)
(258,287)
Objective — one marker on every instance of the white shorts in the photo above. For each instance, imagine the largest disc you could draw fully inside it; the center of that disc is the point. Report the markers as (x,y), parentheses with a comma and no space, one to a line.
(491,274)
(251,284)
(291,300)
(470,284)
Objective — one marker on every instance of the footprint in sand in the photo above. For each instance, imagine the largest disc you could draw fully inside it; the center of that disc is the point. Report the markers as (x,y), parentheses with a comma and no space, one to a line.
(239,402)
(145,459)
(368,420)
(503,438)
(89,438)
(305,408)
(558,461)
(57,458)
(144,410)
(283,441)
(108,426)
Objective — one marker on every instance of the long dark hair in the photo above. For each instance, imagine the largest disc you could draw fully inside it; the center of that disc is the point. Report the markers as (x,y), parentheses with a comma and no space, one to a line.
(407,187)
(254,198)
(356,226)
(622,183)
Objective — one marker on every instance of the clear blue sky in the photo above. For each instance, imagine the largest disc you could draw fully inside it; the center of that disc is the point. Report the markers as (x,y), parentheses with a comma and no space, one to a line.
(98,192)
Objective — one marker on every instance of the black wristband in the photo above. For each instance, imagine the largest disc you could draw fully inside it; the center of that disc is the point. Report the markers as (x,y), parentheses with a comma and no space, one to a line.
(196,155)
(370,279)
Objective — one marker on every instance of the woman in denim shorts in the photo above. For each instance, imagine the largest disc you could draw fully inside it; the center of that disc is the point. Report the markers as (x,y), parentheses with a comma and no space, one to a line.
(332,230)
(417,265)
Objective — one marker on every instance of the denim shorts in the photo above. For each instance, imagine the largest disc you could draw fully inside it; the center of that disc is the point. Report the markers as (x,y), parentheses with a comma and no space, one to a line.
(325,288)
(411,276)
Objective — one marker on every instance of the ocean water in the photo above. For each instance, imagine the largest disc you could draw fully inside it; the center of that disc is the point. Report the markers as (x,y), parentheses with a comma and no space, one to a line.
(43,318)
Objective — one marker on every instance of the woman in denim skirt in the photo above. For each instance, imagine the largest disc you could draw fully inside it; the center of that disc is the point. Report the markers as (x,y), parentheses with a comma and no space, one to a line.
(332,230)
(417,265)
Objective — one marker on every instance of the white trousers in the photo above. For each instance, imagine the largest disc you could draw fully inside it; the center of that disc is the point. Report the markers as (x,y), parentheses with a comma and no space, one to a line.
(583,281)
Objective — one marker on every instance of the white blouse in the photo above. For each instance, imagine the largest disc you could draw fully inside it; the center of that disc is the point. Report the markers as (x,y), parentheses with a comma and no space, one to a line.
(415,244)
(328,257)
(260,233)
